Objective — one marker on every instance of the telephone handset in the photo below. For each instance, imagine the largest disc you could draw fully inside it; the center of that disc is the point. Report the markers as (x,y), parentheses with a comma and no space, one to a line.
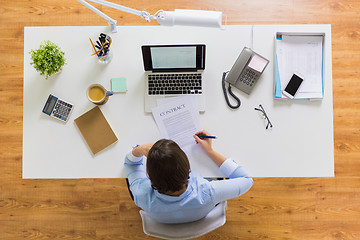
(244,74)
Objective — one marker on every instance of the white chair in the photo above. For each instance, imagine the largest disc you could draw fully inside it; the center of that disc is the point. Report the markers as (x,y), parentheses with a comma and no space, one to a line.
(216,218)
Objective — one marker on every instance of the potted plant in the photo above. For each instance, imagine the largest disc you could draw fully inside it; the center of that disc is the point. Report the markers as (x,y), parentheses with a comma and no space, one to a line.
(48,59)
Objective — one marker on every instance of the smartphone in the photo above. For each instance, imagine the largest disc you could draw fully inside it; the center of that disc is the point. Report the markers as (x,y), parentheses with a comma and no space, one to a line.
(293,85)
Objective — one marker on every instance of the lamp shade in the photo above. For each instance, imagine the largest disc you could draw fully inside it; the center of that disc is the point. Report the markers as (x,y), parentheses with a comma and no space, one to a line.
(190,18)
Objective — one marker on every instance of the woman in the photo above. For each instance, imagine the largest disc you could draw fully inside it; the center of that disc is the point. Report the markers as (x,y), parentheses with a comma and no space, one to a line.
(169,192)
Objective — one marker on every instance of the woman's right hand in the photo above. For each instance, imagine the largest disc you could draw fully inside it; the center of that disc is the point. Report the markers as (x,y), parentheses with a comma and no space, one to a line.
(205,143)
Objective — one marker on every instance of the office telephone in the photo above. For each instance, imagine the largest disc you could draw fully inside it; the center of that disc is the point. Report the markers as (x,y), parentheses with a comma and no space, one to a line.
(244,74)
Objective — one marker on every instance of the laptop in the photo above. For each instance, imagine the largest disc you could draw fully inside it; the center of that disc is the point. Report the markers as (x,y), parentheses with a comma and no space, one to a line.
(173,70)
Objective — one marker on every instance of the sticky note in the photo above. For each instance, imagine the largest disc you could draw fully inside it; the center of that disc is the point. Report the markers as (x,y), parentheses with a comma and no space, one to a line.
(118,85)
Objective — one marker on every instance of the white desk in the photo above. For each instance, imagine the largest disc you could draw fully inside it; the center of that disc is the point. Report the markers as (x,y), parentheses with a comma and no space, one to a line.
(55,150)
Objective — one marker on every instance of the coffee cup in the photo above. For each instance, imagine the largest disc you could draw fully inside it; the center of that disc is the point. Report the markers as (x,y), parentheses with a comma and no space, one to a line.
(97,94)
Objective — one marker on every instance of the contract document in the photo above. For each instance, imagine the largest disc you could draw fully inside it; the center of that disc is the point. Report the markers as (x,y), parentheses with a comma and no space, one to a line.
(178,119)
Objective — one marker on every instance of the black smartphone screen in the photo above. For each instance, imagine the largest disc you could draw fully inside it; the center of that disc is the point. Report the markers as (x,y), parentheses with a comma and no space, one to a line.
(293,84)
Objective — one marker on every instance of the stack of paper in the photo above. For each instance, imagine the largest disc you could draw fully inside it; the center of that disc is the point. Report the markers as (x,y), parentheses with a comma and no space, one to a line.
(302,53)
(178,119)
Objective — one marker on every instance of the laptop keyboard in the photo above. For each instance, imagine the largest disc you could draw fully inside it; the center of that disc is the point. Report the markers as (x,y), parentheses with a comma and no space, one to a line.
(163,84)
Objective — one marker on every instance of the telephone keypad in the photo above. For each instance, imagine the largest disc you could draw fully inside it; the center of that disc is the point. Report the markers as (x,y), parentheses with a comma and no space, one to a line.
(248,77)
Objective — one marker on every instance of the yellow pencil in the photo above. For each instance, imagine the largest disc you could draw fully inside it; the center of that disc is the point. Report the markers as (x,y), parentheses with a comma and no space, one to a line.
(92,45)
(96,52)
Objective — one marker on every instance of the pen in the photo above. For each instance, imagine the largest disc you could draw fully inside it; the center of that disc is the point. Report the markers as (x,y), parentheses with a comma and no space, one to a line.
(205,136)
(99,44)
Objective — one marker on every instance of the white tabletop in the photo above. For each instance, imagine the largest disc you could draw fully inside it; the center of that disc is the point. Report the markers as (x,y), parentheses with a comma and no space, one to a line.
(52,149)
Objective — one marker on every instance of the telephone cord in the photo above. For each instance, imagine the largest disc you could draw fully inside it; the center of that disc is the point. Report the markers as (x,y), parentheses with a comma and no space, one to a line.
(238,102)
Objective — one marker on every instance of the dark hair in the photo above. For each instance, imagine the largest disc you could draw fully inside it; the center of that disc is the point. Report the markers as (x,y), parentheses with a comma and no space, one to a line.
(167,166)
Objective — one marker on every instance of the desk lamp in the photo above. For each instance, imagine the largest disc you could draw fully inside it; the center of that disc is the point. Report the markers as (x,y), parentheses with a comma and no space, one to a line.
(165,18)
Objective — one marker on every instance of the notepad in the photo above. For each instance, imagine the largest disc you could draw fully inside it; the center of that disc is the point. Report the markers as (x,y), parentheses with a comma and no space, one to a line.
(96,130)
(118,85)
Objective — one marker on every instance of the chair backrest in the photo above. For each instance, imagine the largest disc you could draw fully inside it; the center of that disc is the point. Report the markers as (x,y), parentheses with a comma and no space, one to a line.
(214,219)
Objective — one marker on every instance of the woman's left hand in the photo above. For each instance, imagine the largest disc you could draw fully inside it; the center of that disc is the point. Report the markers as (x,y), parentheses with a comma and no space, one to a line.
(142,150)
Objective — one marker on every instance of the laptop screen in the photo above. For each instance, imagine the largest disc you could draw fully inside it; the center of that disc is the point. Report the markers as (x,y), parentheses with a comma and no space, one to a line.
(168,58)
(173,57)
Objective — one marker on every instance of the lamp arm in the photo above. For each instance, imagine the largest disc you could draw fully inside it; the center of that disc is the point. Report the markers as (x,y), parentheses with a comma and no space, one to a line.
(142,14)
(111,21)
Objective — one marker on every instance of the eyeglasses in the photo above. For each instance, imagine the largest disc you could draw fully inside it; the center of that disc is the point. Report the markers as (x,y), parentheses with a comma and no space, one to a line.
(261,109)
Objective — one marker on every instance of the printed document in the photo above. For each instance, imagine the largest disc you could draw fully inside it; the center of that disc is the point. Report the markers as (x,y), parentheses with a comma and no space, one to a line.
(302,54)
(178,119)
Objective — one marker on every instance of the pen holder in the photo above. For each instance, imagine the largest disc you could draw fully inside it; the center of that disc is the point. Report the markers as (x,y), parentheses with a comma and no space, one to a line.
(105,58)
(101,48)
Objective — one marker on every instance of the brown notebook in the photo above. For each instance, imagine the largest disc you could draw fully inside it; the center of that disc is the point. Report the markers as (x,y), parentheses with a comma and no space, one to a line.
(95,130)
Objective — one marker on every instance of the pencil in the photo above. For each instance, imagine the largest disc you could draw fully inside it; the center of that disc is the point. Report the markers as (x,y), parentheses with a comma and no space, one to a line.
(97,52)
(92,45)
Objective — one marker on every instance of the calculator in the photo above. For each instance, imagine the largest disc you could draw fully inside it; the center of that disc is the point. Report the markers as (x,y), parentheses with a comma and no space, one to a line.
(58,108)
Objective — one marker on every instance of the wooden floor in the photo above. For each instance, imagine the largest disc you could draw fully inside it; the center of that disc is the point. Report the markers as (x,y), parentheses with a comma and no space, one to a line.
(275,208)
